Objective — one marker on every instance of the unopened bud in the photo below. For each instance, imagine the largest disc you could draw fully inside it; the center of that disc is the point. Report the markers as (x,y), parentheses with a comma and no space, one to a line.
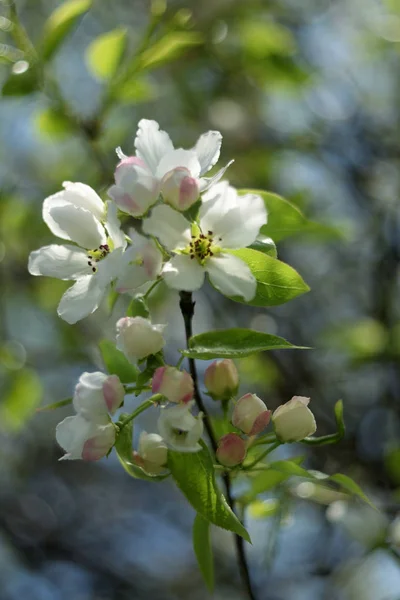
(153,453)
(293,421)
(97,393)
(180,189)
(175,385)
(222,379)
(138,337)
(231,450)
(250,414)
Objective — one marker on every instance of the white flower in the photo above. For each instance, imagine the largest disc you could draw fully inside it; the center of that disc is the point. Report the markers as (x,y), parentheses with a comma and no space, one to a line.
(180,429)
(226,222)
(141,262)
(138,337)
(158,167)
(97,394)
(88,440)
(153,453)
(250,414)
(79,215)
(293,421)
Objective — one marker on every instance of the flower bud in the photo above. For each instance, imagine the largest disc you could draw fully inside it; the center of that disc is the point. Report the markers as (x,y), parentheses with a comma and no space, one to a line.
(85,439)
(222,379)
(179,188)
(175,385)
(250,414)
(138,337)
(180,429)
(97,394)
(293,421)
(153,453)
(231,450)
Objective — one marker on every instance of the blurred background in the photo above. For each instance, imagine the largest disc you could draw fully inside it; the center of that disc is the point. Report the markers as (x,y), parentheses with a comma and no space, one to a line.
(306,95)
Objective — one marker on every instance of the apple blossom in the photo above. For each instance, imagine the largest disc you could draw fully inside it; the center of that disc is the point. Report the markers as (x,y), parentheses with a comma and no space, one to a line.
(250,414)
(78,214)
(175,385)
(293,421)
(152,453)
(158,167)
(138,337)
(141,262)
(98,394)
(180,429)
(231,450)
(88,440)
(225,223)
(221,379)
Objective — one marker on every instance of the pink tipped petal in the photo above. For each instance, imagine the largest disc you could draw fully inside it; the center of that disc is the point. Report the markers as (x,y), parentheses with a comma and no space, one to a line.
(231,450)
(114,393)
(132,160)
(158,379)
(261,422)
(97,447)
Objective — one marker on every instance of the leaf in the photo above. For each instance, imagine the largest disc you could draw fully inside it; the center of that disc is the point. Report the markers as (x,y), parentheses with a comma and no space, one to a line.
(289,467)
(331,438)
(103,55)
(351,486)
(266,245)
(277,282)
(19,403)
(55,405)
(203,550)
(60,23)
(124,449)
(138,308)
(233,343)
(116,363)
(262,509)
(135,91)
(169,48)
(194,474)
(53,124)
(21,84)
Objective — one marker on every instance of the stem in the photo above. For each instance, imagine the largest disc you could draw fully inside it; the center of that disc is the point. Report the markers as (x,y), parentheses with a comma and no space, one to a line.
(261,456)
(187,308)
(144,406)
(151,288)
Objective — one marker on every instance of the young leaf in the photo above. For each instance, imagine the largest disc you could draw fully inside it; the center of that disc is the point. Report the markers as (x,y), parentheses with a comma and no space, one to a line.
(169,48)
(124,450)
(351,486)
(60,23)
(277,282)
(266,245)
(203,550)
(233,343)
(116,363)
(104,54)
(289,467)
(193,473)
(55,405)
(138,308)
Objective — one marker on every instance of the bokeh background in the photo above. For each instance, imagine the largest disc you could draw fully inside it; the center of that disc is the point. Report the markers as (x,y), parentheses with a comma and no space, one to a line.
(306,95)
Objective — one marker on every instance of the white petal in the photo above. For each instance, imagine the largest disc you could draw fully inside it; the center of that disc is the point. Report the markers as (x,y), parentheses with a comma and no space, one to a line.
(136,188)
(169,226)
(231,276)
(217,189)
(62,262)
(113,226)
(207,148)
(142,262)
(73,223)
(152,143)
(80,300)
(207,182)
(236,220)
(179,158)
(109,268)
(183,273)
(71,435)
(89,398)
(84,196)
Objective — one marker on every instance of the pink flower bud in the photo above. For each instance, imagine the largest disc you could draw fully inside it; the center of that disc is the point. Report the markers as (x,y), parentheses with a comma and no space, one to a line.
(88,440)
(153,453)
(97,394)
(179,188)
(231,450)
(250,414)
(222,379)
(175,385)
(293,421)
(138,337)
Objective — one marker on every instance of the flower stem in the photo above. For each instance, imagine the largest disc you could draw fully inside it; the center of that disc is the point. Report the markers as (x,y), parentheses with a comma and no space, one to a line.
(261,456)
(144,406)
(187,308)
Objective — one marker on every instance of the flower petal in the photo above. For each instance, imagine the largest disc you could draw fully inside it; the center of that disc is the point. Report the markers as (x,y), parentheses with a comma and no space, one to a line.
(217,189)
(113,227)
(179,158)
(182,273)
(236,220)
(207,148)
(142,262)
(73,223)
(136,188)
(62,262)
(169,226)
(231,276)
(84,196)
(109,268)
(207,182)
(81,299)
(152,143)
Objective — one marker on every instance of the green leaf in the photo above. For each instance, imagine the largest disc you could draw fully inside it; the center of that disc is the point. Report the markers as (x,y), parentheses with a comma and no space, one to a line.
(124,449)
(104,54)
(116,363)
(53,124)
(55,405)
(266,245)
(351,486)
(21,84)
(290,467)
(19,403)
(169,48)
(194,474)
(135,91)
(233,343)
(138,308)
(262,509)
(277,282)
(331,438)
(203,550)
(60,23)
